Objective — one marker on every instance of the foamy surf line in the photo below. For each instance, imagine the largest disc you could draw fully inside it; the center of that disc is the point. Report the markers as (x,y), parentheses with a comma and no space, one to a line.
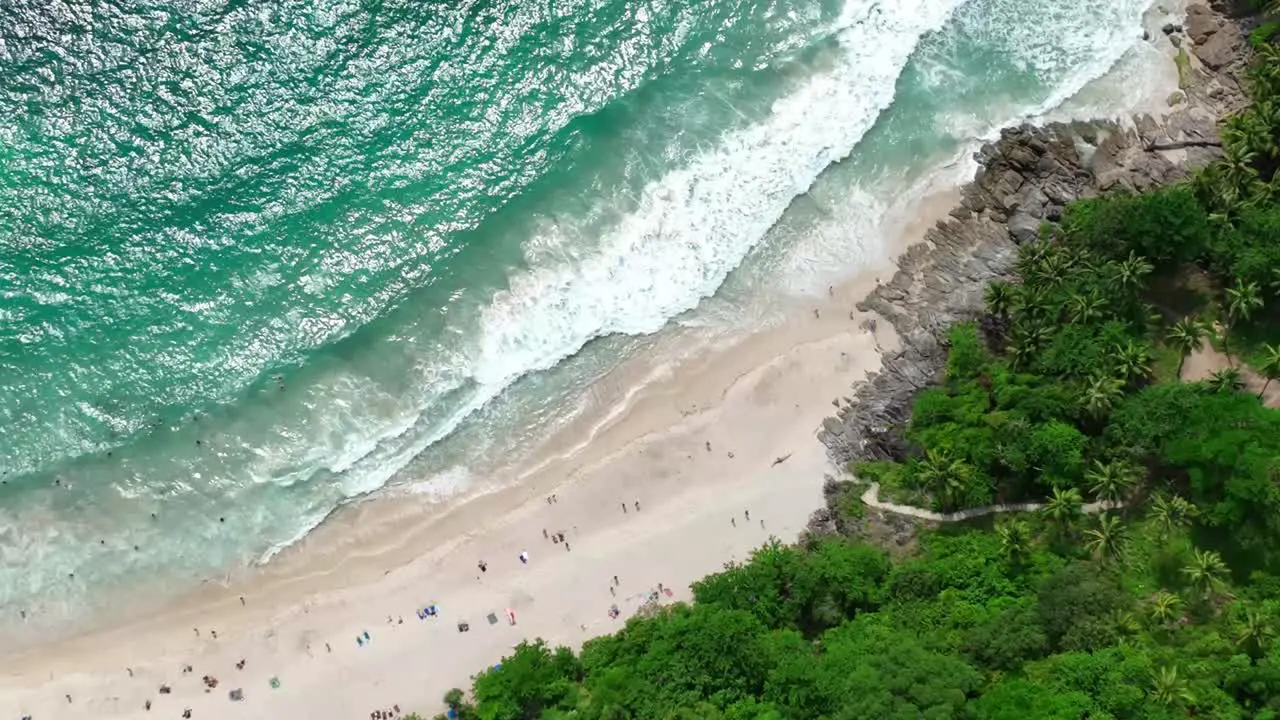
(551,312)
(689,230)
(513,303)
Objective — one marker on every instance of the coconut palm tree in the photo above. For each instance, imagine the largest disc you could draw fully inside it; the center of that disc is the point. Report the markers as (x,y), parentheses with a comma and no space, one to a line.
(1000,297)
(1030,255)
(1083,308)
(1165,607)
(1249,130)
(1022,355)
(1125,623)
(1168,688)
(1187,335)
(1266,113)
(1238,170)
(1033,305)
(1264,75)
(1026,338)
(1111,481)
(1206,572)
(1133,361)
(1211,189)
(1226,380)
(1107,541)
(1101,394)
(1243,299)
(1128,274)
(1063,508)
(1015,540)
(947,477)
(1254,633)
(1170,513)
(1270,366)
(1053,270)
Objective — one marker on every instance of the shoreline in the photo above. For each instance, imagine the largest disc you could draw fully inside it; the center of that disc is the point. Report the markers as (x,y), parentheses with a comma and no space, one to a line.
(367,556)
(364,559)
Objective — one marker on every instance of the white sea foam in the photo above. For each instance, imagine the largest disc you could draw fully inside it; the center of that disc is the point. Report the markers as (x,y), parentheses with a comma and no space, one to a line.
(687,232)
(689,229)
(695,225)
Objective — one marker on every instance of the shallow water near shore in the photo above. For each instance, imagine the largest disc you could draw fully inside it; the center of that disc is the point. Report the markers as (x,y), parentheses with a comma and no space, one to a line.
(254,267)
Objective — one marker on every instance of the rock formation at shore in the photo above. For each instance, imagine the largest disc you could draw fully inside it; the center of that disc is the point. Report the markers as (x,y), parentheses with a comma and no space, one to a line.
(1025,179)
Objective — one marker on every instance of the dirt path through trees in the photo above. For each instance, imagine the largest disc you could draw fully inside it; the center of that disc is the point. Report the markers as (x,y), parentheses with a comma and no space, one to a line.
(872,498)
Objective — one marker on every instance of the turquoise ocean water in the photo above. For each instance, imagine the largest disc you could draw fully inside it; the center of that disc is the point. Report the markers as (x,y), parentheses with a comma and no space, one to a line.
(259,259)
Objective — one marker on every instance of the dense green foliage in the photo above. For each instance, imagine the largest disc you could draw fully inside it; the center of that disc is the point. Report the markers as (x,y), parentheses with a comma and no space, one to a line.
(970,627)
(1067,392)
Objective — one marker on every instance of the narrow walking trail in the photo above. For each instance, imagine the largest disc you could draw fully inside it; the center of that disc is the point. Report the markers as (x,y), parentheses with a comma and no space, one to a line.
(872,498)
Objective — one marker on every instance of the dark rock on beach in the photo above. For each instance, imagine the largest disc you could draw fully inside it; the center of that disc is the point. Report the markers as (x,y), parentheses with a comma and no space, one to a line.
(1024,180)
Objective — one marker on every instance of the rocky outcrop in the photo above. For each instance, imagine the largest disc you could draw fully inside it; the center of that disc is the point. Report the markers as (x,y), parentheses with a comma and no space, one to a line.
(1025,179)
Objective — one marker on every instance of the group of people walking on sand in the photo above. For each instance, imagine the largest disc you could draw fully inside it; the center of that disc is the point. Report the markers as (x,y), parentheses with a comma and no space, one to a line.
(558,537)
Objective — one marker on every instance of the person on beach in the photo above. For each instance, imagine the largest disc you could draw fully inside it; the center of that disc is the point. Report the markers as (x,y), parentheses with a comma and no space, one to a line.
(746,514)
(733,522)
(484,567)
(637,506)
(615,580)
(524,557)
(544,534)
(624,508)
